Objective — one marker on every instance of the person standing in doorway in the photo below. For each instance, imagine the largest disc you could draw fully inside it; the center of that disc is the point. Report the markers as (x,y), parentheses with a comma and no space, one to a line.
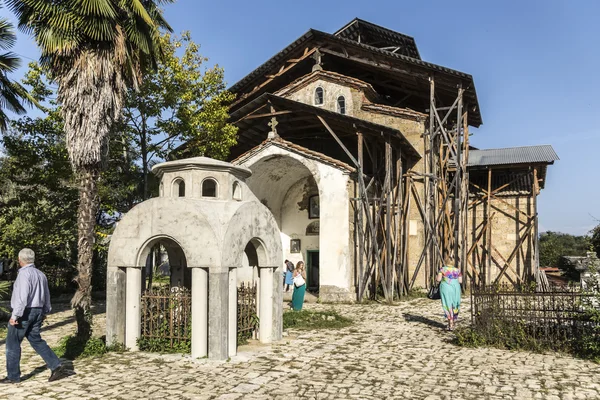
(30,304)
(299,277)
(288,277)
(450,291)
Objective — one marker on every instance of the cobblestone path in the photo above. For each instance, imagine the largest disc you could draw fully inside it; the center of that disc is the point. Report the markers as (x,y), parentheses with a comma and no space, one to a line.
(390,352)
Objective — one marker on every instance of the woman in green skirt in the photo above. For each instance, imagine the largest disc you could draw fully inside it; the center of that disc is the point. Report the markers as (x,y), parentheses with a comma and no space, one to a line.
(450,279)
(299,286)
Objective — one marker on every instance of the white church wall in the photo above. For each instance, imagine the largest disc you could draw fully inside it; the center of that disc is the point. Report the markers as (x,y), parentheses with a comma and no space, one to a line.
(294,217)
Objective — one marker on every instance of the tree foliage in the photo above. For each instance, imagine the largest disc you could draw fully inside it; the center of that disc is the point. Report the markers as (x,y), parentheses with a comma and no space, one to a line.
(554,245)
(12,94)
(95,50)
(38,189)
(181,101)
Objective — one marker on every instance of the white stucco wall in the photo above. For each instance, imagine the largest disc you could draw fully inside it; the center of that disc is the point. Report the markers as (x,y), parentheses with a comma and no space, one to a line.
(279,181)
(294,211)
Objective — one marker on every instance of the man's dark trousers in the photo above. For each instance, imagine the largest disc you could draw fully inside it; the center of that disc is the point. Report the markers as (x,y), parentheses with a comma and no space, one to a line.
(29,327)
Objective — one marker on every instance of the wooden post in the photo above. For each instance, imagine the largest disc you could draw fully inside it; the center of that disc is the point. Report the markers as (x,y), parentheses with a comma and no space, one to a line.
(360,210)
(488,241)
(388,218)
(536,238)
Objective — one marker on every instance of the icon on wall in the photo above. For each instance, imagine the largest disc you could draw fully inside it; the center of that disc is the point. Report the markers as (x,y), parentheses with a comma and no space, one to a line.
(313,207)
(295,246)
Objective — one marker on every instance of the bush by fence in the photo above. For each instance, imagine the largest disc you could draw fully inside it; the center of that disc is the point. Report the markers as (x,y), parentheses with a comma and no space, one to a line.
(561,319)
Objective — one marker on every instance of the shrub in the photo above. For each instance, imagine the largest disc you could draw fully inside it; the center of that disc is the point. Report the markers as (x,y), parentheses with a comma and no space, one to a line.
(163,345)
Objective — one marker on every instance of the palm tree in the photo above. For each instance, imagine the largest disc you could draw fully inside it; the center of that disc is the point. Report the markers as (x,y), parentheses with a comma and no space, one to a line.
(95,50)
(11,93)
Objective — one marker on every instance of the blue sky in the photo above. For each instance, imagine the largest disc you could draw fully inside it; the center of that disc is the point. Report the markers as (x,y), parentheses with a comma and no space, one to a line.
(535,65)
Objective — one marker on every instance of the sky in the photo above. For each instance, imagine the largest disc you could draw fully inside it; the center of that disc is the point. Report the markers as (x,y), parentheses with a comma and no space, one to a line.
(535,66)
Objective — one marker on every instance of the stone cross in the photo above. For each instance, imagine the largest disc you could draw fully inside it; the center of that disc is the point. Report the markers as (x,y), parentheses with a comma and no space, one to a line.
(273,124)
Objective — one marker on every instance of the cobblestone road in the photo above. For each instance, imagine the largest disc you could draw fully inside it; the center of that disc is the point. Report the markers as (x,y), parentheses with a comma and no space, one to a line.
(390,352)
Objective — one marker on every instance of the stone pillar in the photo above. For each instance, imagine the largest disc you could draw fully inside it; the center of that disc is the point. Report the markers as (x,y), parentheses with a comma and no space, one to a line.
(199,312)
(277,304)
(218,312)
(232,345)
(115,305)
(133,317)
(266,305)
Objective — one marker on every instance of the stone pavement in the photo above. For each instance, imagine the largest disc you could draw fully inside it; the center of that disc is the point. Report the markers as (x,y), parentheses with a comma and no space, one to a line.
(390,352)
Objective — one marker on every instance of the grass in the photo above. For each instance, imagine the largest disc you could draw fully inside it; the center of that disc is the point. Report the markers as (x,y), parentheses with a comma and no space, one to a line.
(73,347)
(309,320)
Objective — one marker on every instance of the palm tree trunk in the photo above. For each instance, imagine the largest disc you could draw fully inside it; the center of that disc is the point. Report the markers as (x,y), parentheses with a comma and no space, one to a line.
(86,224)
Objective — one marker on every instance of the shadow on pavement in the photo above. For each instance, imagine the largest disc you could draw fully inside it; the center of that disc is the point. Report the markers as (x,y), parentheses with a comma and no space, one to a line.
(97,309)
(423,320)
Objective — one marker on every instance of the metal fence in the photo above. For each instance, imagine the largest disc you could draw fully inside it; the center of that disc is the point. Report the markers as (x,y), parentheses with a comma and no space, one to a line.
(247,316)
(558,314)
(167,314)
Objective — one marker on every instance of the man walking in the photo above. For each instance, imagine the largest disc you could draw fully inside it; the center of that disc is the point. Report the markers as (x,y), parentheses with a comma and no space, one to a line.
(30,303)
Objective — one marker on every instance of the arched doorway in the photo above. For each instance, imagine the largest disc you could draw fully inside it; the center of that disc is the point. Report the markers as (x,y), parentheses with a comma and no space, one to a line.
(289,189)
(165,265)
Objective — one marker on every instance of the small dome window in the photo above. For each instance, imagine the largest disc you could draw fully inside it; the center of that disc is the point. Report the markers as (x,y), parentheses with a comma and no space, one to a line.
(209,188)
(237,191)
(178,188)
(319,96)
(341,105)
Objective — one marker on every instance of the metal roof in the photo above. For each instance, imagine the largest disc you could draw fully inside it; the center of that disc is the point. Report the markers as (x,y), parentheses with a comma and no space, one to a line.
(543,154)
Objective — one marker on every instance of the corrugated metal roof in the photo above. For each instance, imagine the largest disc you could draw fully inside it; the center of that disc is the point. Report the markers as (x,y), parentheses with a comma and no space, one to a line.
(514,155)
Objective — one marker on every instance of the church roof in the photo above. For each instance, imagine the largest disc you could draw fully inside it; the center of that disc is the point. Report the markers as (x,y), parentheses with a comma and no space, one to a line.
(294,148)
(300,122)
(346,51)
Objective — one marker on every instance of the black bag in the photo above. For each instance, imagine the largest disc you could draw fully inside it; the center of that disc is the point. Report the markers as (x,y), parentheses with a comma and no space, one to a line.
(434,292)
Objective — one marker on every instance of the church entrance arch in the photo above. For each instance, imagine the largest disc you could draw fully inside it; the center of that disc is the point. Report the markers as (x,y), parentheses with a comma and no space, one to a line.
(291,191)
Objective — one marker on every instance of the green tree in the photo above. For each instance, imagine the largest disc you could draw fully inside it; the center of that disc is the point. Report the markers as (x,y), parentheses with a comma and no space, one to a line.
(95,50)
(12,94)
(554,245)
(38,190)
(180,101)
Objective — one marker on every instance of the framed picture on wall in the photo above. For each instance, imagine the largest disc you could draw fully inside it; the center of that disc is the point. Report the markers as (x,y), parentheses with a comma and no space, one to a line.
(313,207)
(295,246)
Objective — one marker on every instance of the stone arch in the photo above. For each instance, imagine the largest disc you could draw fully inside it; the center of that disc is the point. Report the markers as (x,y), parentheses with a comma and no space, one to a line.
(252,223)
(154,218)
(180,274)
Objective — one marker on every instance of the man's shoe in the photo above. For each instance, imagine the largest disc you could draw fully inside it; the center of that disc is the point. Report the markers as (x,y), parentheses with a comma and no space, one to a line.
(7,381)
(57,374)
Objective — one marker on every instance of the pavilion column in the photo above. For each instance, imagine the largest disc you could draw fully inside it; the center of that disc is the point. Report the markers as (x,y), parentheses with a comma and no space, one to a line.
(232,343)
(133,317)
(199,312)
(266,305)
(218,307)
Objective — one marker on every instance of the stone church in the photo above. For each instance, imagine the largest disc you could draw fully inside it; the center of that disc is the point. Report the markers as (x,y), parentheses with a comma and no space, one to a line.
(360,149)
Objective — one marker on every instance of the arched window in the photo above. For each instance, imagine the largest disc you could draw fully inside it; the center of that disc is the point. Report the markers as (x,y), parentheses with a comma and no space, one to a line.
(341,105)
(237,191)
(209,188)
(319,96)
(178,188)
